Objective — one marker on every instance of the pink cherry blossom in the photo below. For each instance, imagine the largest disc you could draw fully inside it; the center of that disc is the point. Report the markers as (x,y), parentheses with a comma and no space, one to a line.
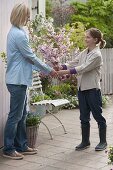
(52,45)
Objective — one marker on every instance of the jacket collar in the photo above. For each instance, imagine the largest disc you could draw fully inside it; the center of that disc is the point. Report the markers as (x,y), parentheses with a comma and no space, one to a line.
(93,51)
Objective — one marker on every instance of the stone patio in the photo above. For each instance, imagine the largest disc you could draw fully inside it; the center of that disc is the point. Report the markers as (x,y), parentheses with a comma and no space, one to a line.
(59,153)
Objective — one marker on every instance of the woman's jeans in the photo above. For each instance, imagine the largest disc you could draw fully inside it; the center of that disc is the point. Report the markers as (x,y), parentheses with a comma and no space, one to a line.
(15,129)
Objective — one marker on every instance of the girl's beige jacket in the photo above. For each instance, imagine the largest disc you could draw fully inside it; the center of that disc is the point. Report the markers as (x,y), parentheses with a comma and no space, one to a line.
(88,67)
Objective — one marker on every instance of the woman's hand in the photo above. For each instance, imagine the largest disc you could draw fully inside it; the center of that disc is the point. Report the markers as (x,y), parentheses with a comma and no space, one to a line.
(53,73)
(57,66)
(63,72)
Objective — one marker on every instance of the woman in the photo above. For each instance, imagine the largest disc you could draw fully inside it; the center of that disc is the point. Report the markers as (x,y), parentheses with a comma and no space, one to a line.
(18,78)
(87,66)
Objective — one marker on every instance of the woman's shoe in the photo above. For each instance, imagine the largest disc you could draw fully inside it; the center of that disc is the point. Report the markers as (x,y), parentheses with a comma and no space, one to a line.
(13,155)
(29,151)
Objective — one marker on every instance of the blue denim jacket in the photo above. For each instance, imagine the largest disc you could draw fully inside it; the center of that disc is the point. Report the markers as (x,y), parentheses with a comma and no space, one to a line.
(19,69)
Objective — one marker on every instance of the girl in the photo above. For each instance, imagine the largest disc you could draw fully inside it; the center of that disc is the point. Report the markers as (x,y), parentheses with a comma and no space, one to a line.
(87,66)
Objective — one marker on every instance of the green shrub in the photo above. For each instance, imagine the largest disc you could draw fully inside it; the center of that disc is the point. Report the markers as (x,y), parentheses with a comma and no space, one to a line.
(58,91)
(95,13)
(73,102)
(105,100)
(66,88)
(4,57)
(33,119)
(72,84)
(110,155)
(46,82)
(38,98)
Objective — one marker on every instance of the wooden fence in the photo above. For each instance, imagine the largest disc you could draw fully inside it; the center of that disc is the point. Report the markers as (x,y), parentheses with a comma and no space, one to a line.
(107,71)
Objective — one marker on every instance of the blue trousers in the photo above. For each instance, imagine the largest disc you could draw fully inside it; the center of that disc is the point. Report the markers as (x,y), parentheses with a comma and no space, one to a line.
(15,129)
(91,101)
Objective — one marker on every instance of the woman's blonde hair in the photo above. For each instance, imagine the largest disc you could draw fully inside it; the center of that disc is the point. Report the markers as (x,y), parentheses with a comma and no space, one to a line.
(19,15)
(96,33)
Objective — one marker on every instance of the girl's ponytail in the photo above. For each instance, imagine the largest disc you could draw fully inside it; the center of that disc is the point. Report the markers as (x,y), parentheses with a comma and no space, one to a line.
(102,43)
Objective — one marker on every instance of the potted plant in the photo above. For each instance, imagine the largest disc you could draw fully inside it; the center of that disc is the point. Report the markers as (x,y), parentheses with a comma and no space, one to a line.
(32,125)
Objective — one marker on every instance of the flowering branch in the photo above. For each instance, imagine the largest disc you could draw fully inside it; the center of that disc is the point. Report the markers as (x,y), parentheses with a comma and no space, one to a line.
(53,44)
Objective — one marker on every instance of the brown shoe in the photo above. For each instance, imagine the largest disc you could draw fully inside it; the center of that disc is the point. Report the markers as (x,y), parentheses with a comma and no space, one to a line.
(14,155)
(29,151)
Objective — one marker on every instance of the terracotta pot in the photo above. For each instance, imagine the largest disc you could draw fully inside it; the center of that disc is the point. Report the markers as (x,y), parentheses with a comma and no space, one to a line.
(32,133)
